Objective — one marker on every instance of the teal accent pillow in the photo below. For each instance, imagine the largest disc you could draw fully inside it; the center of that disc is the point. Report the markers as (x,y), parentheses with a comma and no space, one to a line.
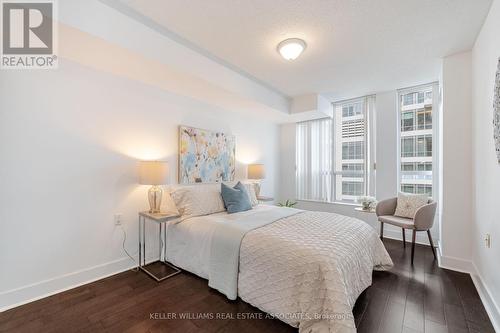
(235,198)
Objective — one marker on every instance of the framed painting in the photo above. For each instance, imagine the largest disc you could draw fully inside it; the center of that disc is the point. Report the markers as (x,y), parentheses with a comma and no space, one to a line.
(496,112)
(205,156)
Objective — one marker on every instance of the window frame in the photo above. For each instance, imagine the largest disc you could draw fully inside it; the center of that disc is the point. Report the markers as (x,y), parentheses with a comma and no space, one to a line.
(434,132)
(368,151)
(352,171)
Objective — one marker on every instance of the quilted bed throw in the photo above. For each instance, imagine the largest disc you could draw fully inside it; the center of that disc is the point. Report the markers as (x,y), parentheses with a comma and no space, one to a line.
(308,269)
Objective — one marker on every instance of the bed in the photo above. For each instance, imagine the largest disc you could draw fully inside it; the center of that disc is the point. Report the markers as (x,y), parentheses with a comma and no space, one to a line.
(305,268)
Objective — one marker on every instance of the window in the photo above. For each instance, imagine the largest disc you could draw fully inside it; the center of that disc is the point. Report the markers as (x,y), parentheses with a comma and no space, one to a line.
(417,189)
(424,145)
(408,147)
(416,146)
(408,188)
(420,96)
(408,121)
(408,99)
(350,188)
(352,109)
(423,189)
(314,160)
(407,166)
(424,118)
(352,167)
(332,155)
(353,150)
(416,140)
(412,98)
(417,119)
(416,166)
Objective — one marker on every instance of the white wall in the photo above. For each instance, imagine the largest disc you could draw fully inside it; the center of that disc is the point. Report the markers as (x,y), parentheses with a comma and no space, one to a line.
(69,142)
(456,159)
(386,140)
(485,55)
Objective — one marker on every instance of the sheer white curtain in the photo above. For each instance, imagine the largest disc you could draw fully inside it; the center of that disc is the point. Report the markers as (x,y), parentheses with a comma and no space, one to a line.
(314,160)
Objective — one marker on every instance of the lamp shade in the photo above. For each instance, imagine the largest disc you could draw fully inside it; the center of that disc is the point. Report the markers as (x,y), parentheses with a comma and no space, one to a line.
(153,172)
(256,171)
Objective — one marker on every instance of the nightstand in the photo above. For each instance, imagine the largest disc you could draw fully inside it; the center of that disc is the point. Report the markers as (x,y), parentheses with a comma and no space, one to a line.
(161,219)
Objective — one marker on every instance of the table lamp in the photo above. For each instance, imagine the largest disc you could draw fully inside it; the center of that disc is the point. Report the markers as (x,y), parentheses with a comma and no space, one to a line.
(153,173)
(258,172)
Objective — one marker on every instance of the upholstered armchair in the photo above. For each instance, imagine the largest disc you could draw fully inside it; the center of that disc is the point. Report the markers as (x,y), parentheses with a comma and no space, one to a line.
(423,221)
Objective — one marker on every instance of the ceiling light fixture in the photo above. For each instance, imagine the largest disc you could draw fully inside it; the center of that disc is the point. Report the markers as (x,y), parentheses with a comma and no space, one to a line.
(291,48)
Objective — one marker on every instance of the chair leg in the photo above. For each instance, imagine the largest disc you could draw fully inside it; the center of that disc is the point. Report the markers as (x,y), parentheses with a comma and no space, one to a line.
(432,244)
(381,230)
(404,237)
(413,245)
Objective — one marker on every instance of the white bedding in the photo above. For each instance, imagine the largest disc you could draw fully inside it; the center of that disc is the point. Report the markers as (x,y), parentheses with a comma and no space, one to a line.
(306,265)
(189,242)
(226,243)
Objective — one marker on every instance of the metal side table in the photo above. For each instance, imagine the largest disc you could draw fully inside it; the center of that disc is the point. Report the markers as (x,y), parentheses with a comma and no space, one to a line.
(263,199)
(161,219)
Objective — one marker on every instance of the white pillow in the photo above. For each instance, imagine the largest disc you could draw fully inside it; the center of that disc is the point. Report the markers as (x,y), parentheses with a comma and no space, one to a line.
(408,204)
(250,187)
(251,193)
(197,200)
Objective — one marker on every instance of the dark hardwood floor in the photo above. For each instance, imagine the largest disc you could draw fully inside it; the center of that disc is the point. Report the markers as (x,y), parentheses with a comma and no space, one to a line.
(424,298)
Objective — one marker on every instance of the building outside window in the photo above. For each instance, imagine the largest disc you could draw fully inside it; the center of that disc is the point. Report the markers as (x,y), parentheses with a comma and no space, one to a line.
(416,135)
(352,188)
(352,109)
(333,154)
(351,148)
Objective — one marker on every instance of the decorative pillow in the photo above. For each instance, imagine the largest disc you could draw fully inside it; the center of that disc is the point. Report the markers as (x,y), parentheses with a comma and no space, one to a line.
(197,200)
(236,198)
(408,204)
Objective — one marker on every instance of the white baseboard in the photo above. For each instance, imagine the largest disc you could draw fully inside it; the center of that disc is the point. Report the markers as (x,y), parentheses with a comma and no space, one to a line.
(15,297)
(489,303)
(455,264)
(467,266)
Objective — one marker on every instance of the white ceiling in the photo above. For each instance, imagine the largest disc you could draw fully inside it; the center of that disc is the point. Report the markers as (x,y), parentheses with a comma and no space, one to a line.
(354,47)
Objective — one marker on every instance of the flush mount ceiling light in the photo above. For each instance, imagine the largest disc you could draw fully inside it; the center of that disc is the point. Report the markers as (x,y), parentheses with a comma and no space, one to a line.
(291,48)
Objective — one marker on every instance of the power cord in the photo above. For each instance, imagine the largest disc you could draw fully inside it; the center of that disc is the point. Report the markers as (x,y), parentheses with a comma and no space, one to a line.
(135,269)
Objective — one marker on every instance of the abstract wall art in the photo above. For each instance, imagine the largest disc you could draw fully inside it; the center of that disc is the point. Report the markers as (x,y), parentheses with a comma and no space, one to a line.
(496,112)
(205,156)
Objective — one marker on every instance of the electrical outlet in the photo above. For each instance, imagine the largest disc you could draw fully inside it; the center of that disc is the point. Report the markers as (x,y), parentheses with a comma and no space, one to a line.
(118,219)
(487,240)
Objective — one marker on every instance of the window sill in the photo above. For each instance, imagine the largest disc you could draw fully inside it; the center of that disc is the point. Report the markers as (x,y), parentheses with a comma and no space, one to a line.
(331,202)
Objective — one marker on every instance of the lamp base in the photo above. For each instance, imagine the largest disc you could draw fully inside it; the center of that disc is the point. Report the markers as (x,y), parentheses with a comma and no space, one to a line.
(256,186)
(154,196)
